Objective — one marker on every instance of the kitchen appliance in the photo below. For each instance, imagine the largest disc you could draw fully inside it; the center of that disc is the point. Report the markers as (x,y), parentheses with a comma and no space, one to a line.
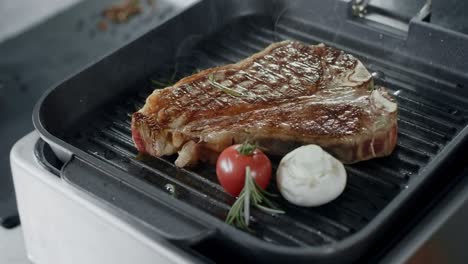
(85,122)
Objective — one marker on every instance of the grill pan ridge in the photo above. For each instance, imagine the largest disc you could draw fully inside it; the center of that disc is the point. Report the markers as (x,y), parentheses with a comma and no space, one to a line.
(432,124)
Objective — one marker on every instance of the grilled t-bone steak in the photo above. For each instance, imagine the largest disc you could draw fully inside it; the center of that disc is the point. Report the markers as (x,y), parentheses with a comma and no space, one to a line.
(285,96)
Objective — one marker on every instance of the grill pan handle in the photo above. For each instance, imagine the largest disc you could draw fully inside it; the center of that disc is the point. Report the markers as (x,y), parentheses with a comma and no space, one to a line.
(145,208)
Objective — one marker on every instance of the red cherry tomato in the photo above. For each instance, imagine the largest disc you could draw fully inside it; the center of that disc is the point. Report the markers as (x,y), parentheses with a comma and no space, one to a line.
(230,169)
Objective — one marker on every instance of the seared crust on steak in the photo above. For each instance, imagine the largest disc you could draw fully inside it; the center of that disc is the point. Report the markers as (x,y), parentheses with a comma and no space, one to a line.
(288,95)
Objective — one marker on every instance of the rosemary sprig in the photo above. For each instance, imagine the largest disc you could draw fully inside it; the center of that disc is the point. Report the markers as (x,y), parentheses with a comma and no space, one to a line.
(164,84)
(251,195)
(371,86)
(223,88)
(172,80)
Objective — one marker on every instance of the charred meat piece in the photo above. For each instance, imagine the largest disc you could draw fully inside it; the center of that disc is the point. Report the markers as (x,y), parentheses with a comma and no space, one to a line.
(288,95)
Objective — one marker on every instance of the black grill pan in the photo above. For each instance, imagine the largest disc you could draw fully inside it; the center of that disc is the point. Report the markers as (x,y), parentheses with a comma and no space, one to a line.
(86,120)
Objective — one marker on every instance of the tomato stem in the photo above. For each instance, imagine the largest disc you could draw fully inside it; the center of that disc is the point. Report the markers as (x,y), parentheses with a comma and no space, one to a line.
(247,149)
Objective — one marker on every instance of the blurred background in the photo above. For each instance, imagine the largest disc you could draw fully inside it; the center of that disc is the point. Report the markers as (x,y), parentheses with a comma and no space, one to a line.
(16,16)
